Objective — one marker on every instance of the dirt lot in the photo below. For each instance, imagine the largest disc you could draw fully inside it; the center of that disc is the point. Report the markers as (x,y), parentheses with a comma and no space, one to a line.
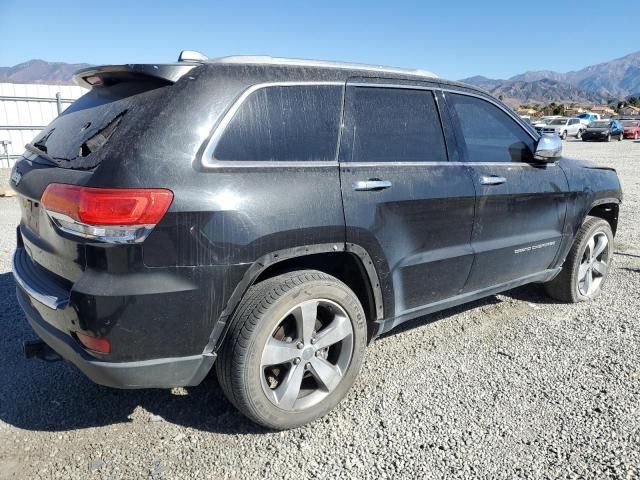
(515,385)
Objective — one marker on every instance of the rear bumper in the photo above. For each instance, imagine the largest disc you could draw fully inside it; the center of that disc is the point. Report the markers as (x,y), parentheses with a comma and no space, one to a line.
(598,137)
(160,373)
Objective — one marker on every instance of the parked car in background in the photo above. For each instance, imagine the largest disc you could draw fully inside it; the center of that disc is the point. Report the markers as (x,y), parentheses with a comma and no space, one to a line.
(631,128)
(586,118)
(603,130)
(564,127)
(291,213)
(544,120)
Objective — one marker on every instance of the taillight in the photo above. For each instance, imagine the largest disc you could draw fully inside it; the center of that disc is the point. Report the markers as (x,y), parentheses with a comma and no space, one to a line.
(97,344)
(118,215)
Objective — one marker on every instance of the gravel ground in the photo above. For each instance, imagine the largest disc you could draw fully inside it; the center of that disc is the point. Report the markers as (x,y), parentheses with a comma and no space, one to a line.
(515,385)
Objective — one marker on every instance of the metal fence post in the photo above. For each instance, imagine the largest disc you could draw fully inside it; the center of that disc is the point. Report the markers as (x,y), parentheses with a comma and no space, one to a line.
(5,144)
(59,102)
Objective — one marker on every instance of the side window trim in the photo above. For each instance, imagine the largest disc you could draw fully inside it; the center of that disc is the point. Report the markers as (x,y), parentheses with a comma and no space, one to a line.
(458,129)
(377,82)
(208,160)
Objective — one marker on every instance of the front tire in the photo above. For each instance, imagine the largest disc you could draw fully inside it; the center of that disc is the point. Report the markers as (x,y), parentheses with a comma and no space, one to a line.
(579,135)
(587,265)
(620,137)
(564,135)
(295,346)
(609,137)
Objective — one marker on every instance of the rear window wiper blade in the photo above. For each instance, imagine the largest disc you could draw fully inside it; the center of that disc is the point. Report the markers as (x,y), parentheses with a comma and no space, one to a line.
(40,152)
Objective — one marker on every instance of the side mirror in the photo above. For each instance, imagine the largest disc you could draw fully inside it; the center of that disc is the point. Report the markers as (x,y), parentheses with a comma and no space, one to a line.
(549,148)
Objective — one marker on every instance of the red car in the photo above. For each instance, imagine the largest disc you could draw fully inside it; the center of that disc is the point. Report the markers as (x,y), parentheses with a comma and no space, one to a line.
(631,129)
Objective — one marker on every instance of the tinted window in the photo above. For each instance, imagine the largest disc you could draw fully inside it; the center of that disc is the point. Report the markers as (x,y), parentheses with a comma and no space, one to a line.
(392,125)
(284,123)
(489,134)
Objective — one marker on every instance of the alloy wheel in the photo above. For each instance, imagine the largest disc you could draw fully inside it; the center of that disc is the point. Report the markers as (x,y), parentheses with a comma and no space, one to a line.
(307,354)
(594,265)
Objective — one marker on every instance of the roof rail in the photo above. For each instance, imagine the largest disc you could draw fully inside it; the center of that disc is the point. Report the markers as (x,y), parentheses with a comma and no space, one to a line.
(192,56)
(268,60)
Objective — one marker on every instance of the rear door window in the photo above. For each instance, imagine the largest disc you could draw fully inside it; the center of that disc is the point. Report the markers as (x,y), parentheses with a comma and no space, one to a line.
(392,125)
(488,133)
(284,123)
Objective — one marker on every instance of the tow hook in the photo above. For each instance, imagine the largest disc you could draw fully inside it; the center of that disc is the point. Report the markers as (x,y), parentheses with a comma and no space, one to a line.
(39,349)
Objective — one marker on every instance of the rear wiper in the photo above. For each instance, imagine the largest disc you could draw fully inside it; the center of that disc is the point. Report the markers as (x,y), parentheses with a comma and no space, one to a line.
(41,152)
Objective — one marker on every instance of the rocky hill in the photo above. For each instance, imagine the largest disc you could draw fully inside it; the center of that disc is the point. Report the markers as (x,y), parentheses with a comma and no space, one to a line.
(40,71)
(615,79)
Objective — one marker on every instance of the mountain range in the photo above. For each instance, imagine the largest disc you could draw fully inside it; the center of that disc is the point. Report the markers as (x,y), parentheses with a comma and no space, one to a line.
(40,71)
(613,80)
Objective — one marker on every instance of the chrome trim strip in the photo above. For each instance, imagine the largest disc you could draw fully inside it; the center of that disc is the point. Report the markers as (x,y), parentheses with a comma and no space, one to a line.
(50,301)
(209,161)
(442,164)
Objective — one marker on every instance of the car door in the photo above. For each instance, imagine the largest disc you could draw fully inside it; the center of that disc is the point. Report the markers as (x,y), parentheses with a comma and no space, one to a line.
(520,204)
(404,202)
(573,127)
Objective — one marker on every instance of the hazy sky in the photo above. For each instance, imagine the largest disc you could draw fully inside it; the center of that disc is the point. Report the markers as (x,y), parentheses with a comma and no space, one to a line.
(455,39)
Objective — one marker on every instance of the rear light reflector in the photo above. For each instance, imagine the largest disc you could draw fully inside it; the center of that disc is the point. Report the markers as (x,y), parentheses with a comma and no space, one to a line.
(97,344)
(119,215)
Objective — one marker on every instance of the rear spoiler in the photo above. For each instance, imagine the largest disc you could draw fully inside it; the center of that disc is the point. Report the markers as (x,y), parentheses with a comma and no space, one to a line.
(105,75)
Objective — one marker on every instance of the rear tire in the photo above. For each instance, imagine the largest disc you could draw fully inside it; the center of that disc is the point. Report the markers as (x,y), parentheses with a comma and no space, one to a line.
(635,136)
(579,134)
(587,265)
(286,320)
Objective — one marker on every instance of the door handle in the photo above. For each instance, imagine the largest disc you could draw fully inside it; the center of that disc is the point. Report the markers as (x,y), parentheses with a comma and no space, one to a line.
(492,180)
(371,184)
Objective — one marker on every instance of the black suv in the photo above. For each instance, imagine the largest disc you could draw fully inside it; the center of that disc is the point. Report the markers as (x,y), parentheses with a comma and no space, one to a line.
(273,216)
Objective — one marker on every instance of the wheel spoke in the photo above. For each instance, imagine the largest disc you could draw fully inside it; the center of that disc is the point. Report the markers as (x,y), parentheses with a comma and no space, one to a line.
(583,271)
(306,315)
(337,330)
(287,393)
(600,246)
(588,280)
(600,268)
(277,352)
(589,250)
(327,374)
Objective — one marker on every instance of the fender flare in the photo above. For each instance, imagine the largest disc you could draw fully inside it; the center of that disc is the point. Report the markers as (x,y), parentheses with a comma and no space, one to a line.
(602,201)
(262,263)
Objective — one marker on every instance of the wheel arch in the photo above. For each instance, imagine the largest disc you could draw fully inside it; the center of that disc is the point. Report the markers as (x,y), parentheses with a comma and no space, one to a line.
(607,209)
(349,263)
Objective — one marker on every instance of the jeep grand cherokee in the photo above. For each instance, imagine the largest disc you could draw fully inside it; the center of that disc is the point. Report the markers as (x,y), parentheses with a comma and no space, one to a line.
(272,216)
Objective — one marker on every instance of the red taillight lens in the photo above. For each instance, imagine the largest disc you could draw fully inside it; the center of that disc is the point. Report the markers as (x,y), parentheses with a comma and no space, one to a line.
(115,215)
(97,344)
(108,206)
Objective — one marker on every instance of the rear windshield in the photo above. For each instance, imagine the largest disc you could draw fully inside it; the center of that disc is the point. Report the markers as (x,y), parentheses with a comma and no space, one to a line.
(558,121)
(76,139)
(630,123)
